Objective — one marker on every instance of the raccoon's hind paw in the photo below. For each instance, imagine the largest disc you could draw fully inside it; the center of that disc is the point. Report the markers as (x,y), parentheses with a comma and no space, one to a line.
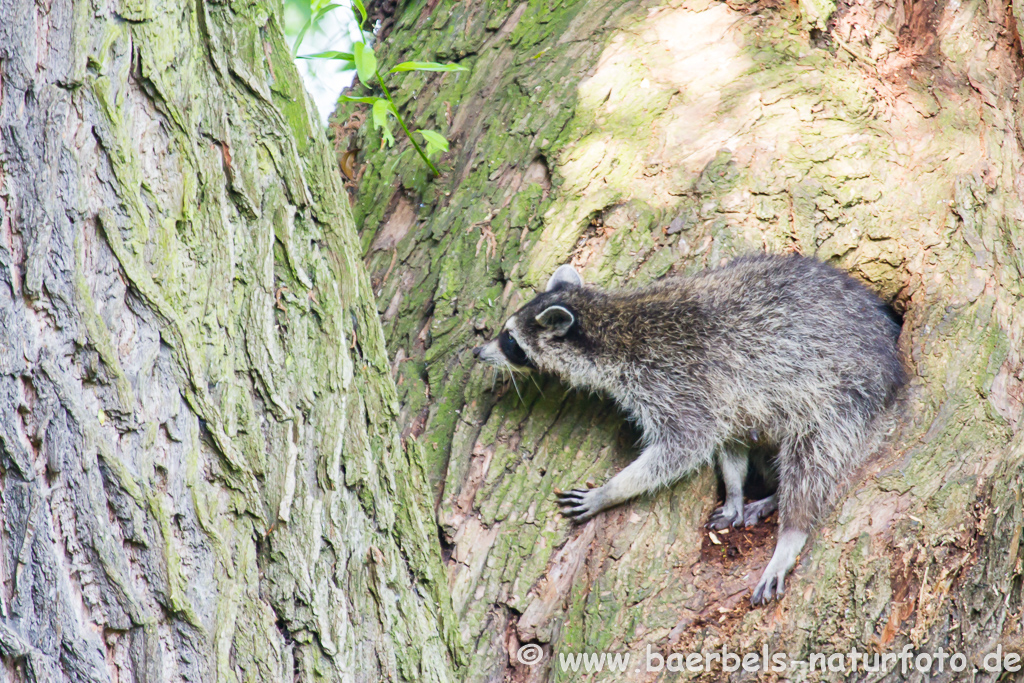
(758,510)
(579,505)
(771,585)
(724,517)
(773,581)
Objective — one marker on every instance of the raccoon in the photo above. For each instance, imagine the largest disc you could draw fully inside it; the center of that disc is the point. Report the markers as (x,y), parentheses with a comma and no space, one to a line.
(783,350)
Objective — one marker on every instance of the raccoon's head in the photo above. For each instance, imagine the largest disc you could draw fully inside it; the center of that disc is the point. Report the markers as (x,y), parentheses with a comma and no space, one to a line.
(538,335)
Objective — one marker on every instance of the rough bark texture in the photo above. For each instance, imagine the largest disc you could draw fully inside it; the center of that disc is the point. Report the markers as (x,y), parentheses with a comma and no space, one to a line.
(200,475)
(644,138)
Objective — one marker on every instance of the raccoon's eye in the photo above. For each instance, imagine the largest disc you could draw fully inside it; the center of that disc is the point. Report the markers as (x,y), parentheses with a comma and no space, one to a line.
(511,348)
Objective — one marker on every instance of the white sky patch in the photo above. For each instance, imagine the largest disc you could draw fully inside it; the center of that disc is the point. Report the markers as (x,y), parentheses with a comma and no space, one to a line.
(325,78)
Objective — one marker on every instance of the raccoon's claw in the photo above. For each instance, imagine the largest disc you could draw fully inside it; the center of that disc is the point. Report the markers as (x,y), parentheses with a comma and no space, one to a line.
(579,505)
(763,592)
(725,517)
(572,497)
(758,510)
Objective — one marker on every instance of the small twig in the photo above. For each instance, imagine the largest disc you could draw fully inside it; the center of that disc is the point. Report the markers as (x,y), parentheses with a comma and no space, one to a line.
(394,258)
(401,121)
(855,53)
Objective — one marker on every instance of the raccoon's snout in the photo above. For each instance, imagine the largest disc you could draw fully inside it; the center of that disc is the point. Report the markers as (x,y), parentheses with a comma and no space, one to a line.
(489,353)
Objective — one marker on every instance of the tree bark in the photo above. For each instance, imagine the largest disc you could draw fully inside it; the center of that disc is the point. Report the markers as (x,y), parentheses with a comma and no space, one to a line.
(200,475)
(641,139)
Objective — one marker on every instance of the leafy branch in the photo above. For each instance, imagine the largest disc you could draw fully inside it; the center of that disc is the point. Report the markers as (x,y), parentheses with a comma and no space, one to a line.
(365,62)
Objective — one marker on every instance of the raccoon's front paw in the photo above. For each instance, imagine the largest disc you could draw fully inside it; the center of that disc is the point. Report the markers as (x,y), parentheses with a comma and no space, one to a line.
(579,505)
(724,517)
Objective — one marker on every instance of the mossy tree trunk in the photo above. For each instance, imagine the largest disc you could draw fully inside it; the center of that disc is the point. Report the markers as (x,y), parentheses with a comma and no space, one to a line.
(645,138)
(200,475)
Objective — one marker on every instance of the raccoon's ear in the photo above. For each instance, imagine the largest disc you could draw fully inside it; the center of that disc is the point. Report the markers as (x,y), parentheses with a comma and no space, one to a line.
(558,319)
(565,276)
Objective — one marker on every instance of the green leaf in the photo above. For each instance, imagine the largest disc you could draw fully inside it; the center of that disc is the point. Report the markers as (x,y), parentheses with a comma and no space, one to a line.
(380,113)
(330,54)
(381,109)
(366,62)
(319,14)
(363,100)
(435,141)
(316,14)
(427,66)
(362,11)
(302,34)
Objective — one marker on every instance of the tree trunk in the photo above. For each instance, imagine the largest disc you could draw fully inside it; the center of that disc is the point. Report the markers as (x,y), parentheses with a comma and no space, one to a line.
(199,472)
(640,139)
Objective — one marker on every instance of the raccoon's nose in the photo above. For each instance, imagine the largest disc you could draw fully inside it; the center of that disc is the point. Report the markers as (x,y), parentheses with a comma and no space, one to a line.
(477,350)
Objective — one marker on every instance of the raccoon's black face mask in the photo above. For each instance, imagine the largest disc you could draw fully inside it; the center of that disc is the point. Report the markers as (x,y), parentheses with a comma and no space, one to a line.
(512,350)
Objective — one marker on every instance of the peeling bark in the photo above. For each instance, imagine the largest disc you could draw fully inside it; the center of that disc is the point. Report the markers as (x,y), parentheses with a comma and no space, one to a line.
(641,139)
(200,476)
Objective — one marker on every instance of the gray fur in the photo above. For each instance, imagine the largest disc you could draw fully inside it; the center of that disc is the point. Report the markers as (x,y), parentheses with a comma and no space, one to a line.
(781,349)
